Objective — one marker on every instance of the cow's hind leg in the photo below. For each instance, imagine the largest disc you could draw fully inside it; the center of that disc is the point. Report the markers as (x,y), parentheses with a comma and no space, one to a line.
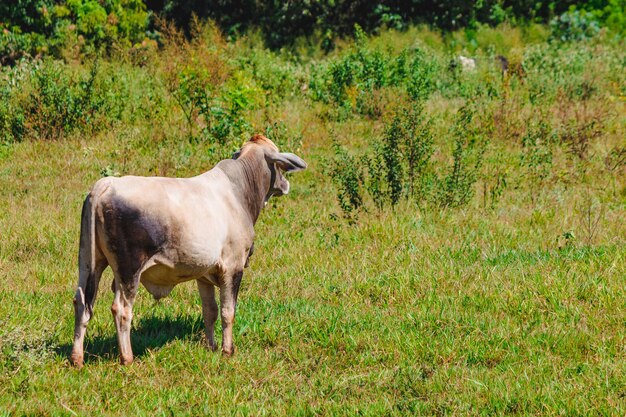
(122,309)
(209,311)
(229,289)
(84,300)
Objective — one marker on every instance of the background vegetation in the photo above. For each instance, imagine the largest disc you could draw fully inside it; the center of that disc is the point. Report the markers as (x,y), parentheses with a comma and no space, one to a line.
(456,247)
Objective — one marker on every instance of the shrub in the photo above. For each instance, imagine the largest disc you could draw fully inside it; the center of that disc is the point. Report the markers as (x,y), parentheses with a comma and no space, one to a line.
(270,72)
(59,102)
(394,168)
(224,113)
(574,25)
(580,125)
(407,146)
(536,157)
(16,46)
(457,187)
(49,100)
(347,174)
(350,81)
(421,76)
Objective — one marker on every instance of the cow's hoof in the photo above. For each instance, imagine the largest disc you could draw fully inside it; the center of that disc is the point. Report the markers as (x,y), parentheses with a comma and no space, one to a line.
(126,360)
(212,348)
(77,360)
(228,352)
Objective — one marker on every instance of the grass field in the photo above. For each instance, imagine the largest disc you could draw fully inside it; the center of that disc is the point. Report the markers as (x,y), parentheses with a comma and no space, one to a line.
(513,304)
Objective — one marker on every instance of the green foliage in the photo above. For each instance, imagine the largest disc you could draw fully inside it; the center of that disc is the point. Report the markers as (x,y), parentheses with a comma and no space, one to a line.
(224,118)
(220,107)
(347,175)
(284,137)
(26,15)
(57,103)
(353,80)
(537,156)
(457,187)
(49,26)
(613,15)
(15,46)
(555,71)
(574,25)
(422,73)
(347,81)
(392,158)
(282,24)
(393,169)
(49,100)
(38,26)
(275,76)
(104,23)
(406,148)
(12,117)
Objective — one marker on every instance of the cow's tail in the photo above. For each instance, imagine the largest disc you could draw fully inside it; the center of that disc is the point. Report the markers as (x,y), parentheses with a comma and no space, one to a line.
(91,263)
(84,297)
(88,270)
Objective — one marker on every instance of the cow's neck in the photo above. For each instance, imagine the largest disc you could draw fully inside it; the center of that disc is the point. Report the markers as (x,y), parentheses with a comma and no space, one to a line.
(251,178)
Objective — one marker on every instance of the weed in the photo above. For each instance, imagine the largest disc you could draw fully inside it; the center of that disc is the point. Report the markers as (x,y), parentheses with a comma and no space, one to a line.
(536,157)
(395,167)
(456,187)
(590,214)
(421,76)
(347,174)
(493,188)
(615,159)
(579,127)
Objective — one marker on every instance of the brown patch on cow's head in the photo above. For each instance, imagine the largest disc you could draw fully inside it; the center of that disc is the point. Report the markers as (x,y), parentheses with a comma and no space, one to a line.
(256,140)
(259,139)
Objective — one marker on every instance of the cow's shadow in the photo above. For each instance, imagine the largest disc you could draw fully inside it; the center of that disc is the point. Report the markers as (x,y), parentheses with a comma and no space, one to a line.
(150,333)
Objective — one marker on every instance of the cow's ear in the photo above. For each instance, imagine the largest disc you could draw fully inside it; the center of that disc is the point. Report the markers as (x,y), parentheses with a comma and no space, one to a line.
(236,155)
(286,161)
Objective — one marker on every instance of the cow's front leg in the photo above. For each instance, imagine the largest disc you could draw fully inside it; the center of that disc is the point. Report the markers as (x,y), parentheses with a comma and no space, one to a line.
(122,310)
(209,311)
(229,288)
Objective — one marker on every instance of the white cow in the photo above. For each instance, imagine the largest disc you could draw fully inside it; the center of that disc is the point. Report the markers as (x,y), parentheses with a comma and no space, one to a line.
(164,231)
(468,64)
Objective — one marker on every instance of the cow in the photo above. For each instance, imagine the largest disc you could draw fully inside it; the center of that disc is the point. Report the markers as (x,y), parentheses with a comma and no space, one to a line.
(161,232)
(468,64)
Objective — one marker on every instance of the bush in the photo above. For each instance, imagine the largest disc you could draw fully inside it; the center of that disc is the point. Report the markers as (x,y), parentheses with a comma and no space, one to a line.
(574,25)
(422,73)
(283,137)
(457,187)
(537,156)
(49,100)
(16,46)
(406,148)
(272,74)
(351,80)
(394,168)
(34,27)
(347,174)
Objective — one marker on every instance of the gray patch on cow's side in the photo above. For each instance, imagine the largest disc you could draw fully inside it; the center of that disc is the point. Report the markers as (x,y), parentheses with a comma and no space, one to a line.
(132,236)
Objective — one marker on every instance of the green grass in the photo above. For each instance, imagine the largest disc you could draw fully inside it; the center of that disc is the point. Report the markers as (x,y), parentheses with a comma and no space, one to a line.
(410,311)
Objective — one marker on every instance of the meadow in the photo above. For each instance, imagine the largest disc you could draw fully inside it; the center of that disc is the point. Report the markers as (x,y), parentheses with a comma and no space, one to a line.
(457,245)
